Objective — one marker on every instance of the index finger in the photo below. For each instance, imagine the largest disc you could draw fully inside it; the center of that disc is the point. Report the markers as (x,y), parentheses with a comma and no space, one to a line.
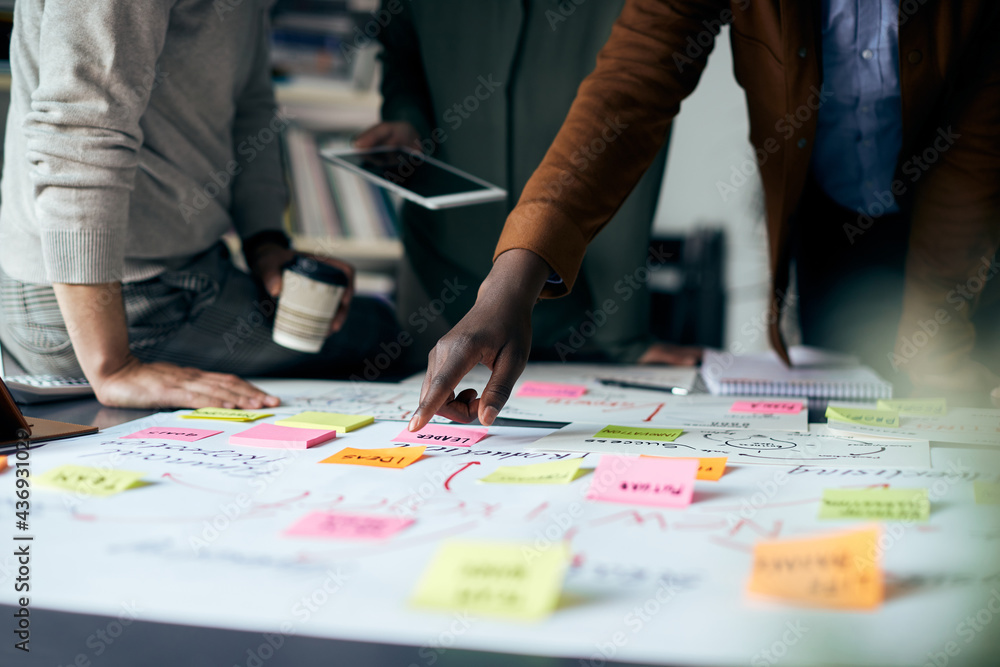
(440,381)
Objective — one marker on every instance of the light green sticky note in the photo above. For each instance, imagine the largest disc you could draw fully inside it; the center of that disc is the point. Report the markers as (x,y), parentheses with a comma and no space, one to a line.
(227,415)
(878,504)
(89,481)
(553,472)
(510,580)
(329,421)
(864,416)
(987,493)
(639,433)
(919,407)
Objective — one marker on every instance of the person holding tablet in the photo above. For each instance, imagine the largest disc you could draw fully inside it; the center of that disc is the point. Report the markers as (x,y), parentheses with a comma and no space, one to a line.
(492,113)
(878,143)
(139,133)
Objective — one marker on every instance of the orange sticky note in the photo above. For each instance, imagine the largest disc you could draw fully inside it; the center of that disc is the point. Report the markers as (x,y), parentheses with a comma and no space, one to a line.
(710,469)
(3,463)
(838,570)
(390,457)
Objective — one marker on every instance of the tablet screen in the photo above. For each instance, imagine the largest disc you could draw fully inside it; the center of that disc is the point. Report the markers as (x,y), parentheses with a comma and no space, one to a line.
(409,171)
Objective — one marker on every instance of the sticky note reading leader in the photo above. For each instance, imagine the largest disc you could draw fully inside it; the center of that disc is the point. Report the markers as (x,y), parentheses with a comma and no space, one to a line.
(532,389)
(436,434)
(272,435)
(347,526)
(840,571)
(768,407)
(639,433)
(887,504)
(864,416)
(710,469)
(987,493)
(494,579)
(920,407)
(168,433)
(391,457)
(555,472)
(662,482)
(327,421)
(227,415)
(89,481)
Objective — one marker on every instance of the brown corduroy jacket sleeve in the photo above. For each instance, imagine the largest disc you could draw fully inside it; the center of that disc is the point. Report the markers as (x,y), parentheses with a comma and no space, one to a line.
(653,60)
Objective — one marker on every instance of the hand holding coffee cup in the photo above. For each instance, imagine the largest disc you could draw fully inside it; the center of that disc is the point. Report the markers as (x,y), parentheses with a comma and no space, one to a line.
(311,295)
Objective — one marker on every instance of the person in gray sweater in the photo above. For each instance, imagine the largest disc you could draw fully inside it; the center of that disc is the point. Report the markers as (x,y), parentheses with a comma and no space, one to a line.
(139,133)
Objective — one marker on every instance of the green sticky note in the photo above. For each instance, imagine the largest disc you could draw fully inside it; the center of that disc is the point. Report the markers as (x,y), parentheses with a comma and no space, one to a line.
(879,504)
(328,421)
(987,493)
(89,481)
(639,433)
(864,416)
(509,580)
(227,415)
(919,407)
(554,472)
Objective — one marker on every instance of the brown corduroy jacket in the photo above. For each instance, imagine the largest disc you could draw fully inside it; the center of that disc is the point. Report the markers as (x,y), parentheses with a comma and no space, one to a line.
(949,62)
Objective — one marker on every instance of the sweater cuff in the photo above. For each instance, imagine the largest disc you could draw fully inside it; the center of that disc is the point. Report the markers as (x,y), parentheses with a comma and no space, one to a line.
(84,256)
(549,233)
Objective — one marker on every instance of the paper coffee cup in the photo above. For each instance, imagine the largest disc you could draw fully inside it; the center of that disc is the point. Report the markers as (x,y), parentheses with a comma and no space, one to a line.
(310,295)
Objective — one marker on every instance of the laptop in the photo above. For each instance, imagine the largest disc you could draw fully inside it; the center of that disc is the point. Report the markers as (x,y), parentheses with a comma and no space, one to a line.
(15,427)
(27,389)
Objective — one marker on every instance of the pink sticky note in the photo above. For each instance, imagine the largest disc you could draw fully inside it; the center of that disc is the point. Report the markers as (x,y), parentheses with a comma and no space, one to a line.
(436,434)
(347,526)
(170,433)
(551,390)
(768,407)
(285,437)
(644,481)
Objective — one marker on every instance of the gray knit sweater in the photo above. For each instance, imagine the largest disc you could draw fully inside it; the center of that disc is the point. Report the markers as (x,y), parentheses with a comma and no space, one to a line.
(139,132)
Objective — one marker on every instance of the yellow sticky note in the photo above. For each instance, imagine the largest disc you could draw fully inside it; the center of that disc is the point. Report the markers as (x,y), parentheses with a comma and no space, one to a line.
(227,415)
(920,407)
(864,416)
(839,571)
(639,433)
(328,421)
(886,504)
(710,469)
(90,481)
(510,580)
(390,457)
(554,472)
(987,493)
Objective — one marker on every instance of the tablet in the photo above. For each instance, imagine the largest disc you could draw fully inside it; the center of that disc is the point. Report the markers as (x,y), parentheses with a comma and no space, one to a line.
(415,176)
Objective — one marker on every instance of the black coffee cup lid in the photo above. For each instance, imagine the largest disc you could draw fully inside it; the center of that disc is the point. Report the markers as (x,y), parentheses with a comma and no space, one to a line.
(316,270)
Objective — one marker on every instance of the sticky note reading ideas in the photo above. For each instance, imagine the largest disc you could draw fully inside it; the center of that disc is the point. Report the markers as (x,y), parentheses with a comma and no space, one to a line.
(661,482)
(639,433)
(227,415)
(89,481)
(391,457)
(437,434)
(555,472)
(532,389)
(840,571)
(494,579)
(347,526)
(886,504)
(167,433)
(864,416)
(768,407)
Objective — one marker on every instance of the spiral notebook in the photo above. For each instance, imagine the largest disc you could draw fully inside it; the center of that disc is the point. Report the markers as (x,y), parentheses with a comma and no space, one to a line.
(814,374)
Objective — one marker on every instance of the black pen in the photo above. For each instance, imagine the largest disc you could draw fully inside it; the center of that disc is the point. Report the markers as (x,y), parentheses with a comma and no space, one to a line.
(678,391)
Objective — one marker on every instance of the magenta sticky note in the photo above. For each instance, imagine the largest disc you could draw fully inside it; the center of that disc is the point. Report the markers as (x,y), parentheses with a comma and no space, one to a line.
(171,433)
(644,481)
(438,434)
(347,526)
(768,407)
(284,437)
(551,390)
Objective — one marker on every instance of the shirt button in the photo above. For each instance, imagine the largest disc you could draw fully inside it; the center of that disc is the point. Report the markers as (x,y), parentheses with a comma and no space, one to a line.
(914,57)
(801,143)
(867,54)
(868,142)
(802,52)
(864,109)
